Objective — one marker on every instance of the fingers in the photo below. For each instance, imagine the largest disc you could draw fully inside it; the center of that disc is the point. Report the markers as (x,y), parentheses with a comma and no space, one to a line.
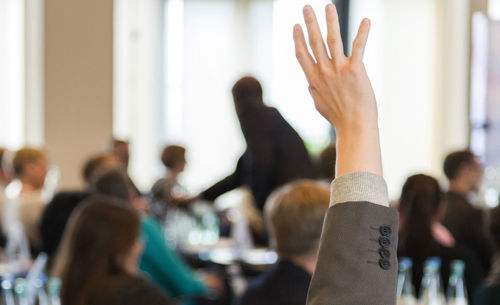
(358,46)
(315,38)
(333,37)
(305,59)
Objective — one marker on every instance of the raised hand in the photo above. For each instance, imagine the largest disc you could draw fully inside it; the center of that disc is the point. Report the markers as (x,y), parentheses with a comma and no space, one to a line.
(341,90)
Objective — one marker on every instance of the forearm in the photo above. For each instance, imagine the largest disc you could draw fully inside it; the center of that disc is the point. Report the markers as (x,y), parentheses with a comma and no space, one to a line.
(358,149)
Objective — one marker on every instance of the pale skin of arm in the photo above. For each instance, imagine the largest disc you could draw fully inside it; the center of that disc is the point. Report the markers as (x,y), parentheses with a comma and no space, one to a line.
(341,91)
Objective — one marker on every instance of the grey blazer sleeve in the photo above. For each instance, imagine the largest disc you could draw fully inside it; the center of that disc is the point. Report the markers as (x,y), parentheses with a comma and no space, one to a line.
(357,263)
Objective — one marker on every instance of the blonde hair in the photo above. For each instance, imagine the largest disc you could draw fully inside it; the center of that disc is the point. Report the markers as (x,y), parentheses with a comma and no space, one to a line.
(24,156)
(294,216)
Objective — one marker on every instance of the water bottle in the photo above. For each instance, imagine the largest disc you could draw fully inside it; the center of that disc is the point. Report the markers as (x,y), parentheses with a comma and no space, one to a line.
(20,291)
(431,290)
(405,289)
(7,295)
(456,293)
(53,288)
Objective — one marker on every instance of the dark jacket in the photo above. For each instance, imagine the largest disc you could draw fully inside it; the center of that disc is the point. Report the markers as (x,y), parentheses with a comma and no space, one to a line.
(466,223)
(55,217)
(275,155)
(132,290)
(285,284)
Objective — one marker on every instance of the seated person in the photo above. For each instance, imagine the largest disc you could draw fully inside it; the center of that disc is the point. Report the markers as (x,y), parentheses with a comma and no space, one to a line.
(422,235)
(489,292)
(294,214)
(30,167)
(97,163)
(173,158)
(166,269)
(466,222)
(97,261)
(326,163)
(55,217)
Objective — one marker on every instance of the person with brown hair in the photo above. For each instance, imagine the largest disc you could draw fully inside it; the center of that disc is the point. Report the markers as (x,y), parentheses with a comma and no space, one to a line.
(98,257)
(96,163)
(421,234)
(173,158)
(294,214)
(465,221)
(30,167)
(326,163)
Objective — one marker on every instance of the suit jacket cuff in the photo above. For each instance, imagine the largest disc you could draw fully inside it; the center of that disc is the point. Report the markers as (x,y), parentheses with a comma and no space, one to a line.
(359,186)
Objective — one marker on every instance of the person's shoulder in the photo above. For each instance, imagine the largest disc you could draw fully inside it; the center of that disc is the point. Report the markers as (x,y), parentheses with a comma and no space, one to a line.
(139,290)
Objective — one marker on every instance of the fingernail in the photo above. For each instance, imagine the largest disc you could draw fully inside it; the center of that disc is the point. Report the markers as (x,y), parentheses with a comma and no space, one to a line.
(307,9)
(366,21)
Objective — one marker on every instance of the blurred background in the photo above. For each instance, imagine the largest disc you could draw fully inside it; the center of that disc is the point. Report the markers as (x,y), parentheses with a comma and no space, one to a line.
(75,74)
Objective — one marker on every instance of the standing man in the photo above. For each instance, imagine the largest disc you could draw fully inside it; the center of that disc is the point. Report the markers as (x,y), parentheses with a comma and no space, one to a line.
(275,153)
(465,221)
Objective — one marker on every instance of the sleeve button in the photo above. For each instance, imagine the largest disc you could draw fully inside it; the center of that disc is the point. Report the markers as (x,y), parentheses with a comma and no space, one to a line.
(384,264)
(385,231)
(384,242)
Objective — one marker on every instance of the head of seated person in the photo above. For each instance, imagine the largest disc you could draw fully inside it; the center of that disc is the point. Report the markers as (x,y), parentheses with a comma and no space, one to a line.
(100,248)
(294,215)
(326,162)
(98,163)
(30,167)
(464,171)
(115,183)
(120,148)
(173,158)
(421,208)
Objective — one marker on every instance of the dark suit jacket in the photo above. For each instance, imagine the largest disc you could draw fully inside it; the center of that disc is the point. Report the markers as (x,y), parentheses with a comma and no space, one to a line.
(285,284)
(275,155)
(357,263)
(466,224)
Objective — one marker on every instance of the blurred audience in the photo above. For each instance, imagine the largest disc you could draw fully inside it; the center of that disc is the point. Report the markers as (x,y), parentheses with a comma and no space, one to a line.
(96,163)
(275,153)
(55,218)
(489,292)
(465,221)
(421,234)
(98,258)
(173,158)
(294,214)
(120,148)
(167,270)
(30,168)
(326,163)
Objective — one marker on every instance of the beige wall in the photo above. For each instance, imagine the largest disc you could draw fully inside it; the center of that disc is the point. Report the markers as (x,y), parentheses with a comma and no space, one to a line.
(78,72)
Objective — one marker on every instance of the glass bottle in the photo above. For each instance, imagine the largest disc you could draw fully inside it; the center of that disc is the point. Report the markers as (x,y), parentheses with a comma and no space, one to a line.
(431,290)
(457,293)
(7,295)
(405,289)
(53,288)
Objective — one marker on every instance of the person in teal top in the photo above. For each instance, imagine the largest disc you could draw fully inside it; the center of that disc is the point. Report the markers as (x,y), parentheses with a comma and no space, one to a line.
(159,261)
(163,264)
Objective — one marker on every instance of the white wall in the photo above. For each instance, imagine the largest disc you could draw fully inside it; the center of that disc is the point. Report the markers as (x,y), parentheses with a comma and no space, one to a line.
(417,58)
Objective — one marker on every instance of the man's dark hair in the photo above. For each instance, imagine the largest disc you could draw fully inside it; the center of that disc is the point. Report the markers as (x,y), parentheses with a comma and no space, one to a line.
(247,92)
(454,162)
(113,183)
